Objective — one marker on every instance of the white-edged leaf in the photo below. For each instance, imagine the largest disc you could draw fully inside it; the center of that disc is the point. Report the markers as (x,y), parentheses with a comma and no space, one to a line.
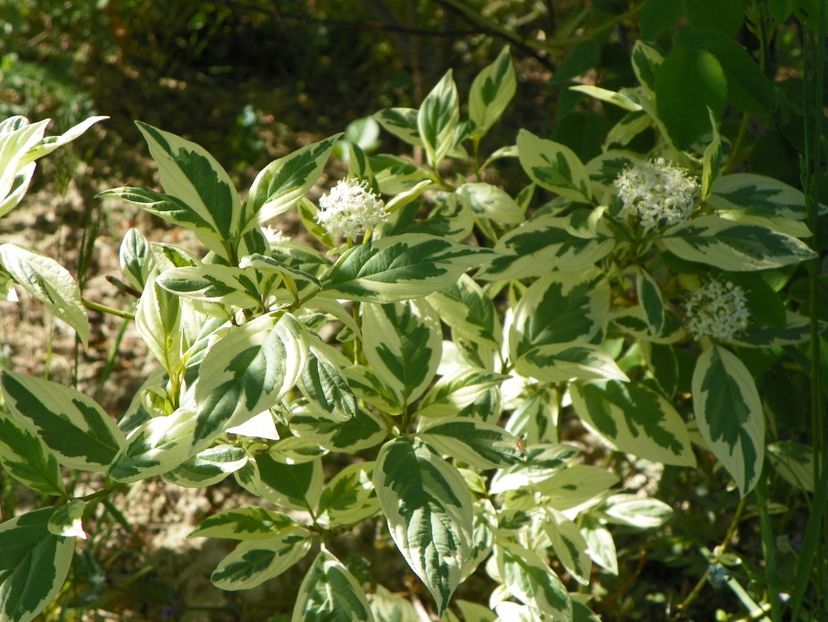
(757,195)
(225,285)
(349,497)
(555,363)
(136,258)
(208,467)
(490,203)
(481,445)
(554,166)
(529,578)
(633,418)
(72,425)
(452,393)
(438,118)
(253,562)
(400,267)
(601,546)
(605,95)
(389,607)
(293,486)
(329,593)
(578,484)
(33,566)
(402,123)
(402,343)
(794,462)
(159,445)
(24,456)
(66,520)
(471,314)
(729,414)
(642,513)
(428,508)
(158,319)
(17,137)
(650,299)
(491,91)
(49,282)
(569,545)
(250,523)
(356,433)
(246,372)
(48,144)
(542,462)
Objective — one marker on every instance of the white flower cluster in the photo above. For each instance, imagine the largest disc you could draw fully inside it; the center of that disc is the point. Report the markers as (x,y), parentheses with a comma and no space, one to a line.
(350,209)
(717,310)
(274,236)
(658,193)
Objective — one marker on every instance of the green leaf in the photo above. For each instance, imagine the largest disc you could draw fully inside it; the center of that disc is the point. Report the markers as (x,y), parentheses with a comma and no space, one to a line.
(49,282)
(24,456)
(561,309)
(646,61)
(329,593)
(192,176)
(402,123)
(794,462)
(528,578)
(158,319)
(438,119)
(400,267)
(478,444)
(747,87)
(491,91)
(246,372)
(712,160)
(208,467)
(649,297)
(136,258)
(631,417)
(156,447)
(294,486)
(349,497)
(571,243)
(729,414)
(657,16)
(402,343)
(253,562)
(284,181)
(726,17)
(569,545)
(429,512)
(688,82)
(33,566)
(251,523)
(78,431)
(554,166)
(733,245)
(17,138)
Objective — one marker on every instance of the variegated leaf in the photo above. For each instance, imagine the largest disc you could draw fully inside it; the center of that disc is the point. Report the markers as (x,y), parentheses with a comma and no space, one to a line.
(356,433)
(49,143)
(569,546)
(638,512)
(605,95)
(452,393)
(632,321)
(729,414)
(402,343)
(438,119)
(246,372)
(386,605)
(428,508)
(561,309)
(541,462)
(294,486)
(402,123)
(649,297)
(490,203)
(225,285)
(529,578)
(78,431)
(794,462)
(329,593)
(733,245)
(349,497)
(712,159)
(646,60)
(575,485)
(601,546)
(323,383)
(491,91)
(158,319)
(191,175)
(49,282)
(208,467)
(66,520)
(395,175)
(468,311)
(554,166)
(253,562)
(33,566)
(24,456)
(554,363)
(757,195)
(534,417)
(633,418)
(159,445)
(296,450)
(478,444)
(250,523)
(18,136)
(400,267)
(284,181)
(572,243)
(136,258)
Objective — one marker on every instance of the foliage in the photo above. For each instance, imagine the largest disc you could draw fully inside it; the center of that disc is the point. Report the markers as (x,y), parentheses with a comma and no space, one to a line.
(423,361)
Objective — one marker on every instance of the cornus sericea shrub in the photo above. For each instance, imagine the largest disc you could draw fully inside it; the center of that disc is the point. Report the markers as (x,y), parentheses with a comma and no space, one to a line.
(586,292)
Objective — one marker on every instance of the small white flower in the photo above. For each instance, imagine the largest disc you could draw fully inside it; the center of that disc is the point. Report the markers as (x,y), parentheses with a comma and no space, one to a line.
(274,236)
(658,193)
(717,310)
(350,209)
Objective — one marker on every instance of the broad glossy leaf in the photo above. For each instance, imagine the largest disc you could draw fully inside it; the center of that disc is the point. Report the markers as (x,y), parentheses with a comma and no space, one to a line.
(24,456)
(250,523)
(159,445)
(246,372)
(294,486)
(78,431)
(478,444)
(733,245)
(633,418)
(438,119)
(402,343)
(33,565)
(400,267)
(529,579)
(554,166)
(208,467)
(329,593)
(428,508)
(570,244)
(349,497)
(729,414)
(49,282)
(491,91)
(284,181)
(253,562)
